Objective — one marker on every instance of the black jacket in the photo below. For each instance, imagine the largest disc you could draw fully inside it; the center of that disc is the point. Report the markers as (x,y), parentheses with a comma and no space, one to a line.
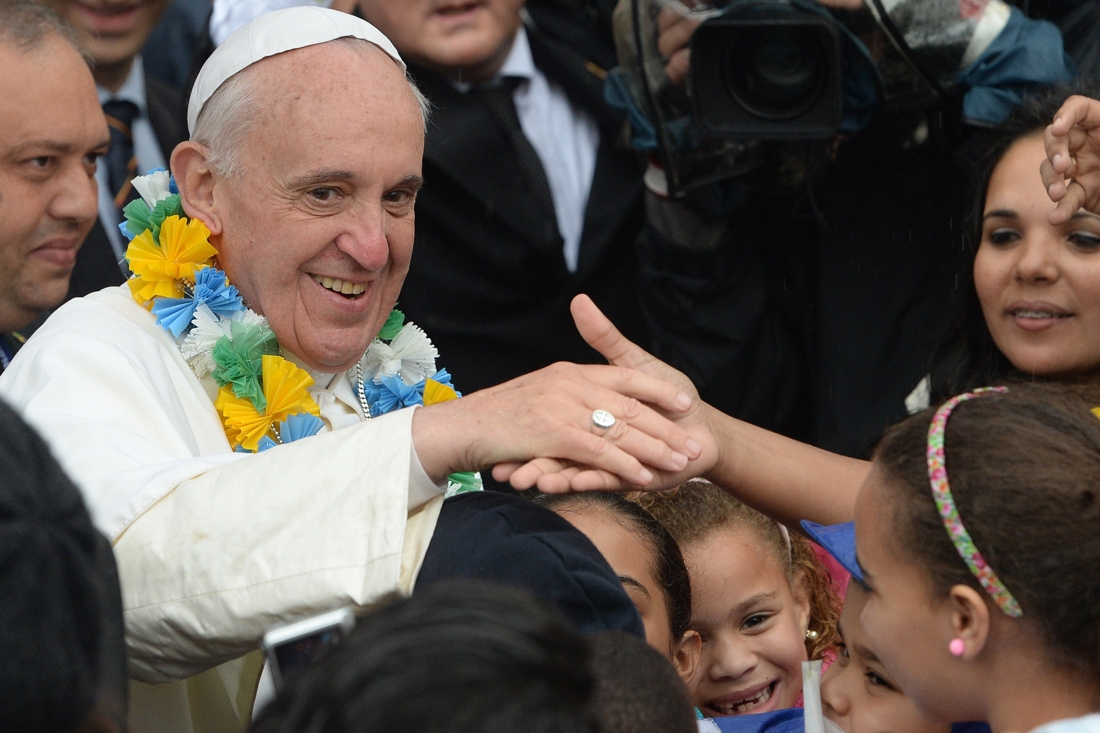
(96,267)
(488,280)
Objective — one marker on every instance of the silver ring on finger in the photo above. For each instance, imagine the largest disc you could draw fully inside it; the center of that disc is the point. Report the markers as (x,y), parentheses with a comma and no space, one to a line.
(603,420)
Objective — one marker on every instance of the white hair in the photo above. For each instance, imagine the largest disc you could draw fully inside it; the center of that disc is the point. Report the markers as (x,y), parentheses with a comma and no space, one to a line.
(228,115)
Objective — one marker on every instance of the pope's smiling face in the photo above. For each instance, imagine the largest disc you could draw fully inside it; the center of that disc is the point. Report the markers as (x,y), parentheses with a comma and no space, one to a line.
(316,229)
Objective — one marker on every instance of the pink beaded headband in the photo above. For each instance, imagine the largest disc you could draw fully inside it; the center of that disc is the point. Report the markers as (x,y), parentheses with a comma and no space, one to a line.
(945,502)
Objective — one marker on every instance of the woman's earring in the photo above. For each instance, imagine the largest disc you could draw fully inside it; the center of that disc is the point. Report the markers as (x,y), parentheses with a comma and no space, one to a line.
(811,635)
(957,647)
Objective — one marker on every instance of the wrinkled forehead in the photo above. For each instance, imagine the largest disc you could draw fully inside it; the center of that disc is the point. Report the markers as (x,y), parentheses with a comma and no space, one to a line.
(332,107)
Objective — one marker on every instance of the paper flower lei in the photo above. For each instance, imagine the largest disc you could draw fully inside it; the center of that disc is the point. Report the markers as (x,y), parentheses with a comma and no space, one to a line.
(263,399)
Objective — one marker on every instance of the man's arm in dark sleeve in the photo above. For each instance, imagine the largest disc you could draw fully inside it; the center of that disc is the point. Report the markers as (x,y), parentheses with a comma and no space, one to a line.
(724,301)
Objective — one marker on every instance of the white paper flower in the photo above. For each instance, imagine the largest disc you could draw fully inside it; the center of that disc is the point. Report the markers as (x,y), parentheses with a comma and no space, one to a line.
(153,187)
(250,317)
(410,354)
(199,344)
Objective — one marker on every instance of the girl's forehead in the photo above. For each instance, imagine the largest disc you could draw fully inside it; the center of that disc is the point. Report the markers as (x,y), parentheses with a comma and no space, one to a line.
(734,563)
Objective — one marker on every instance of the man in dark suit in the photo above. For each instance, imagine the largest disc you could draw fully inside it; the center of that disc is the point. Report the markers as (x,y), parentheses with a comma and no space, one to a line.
(146,118)
(527,198)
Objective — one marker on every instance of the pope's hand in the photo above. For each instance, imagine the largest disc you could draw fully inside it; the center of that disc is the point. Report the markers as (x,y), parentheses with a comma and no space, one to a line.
(553,475)
(548,414)
(1071,172)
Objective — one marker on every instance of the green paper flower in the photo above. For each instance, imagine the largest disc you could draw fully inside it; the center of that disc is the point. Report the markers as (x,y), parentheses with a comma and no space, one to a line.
(139,217)
(238,360)
(462,483)
(393,325)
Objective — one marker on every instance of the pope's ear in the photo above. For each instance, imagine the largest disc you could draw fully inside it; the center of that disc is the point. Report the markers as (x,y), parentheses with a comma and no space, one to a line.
(196,182)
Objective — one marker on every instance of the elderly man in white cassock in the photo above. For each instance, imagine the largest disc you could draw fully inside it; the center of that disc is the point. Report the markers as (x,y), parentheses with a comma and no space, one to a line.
(257,293)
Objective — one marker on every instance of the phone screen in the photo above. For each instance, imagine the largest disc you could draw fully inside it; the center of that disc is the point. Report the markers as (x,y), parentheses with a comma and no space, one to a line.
(297,654)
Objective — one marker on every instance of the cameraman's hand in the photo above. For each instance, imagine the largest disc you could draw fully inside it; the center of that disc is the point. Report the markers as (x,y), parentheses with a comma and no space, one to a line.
(1071,172)
(674,31)
(676,24)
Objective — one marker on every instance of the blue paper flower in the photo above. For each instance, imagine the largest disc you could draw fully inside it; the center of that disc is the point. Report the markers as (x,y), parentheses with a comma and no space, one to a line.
(392,394)
(176,314)
(442,376)
(265,443)
(299,426)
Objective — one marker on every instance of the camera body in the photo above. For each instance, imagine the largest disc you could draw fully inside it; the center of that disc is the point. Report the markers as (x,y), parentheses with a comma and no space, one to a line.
(767,70)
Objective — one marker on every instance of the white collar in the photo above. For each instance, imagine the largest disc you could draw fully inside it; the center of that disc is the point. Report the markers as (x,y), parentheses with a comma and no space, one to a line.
(132,90)
(519,62)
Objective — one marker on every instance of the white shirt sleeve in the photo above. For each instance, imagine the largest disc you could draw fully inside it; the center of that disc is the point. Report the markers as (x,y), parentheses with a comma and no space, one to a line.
(213,547)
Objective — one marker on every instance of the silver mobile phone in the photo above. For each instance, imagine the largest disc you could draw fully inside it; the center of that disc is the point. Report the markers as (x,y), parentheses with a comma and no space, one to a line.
(293,646)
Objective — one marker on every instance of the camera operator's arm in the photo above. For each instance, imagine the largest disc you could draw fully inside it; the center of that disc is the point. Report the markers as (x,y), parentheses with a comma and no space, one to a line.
(721,296)
(1071,172)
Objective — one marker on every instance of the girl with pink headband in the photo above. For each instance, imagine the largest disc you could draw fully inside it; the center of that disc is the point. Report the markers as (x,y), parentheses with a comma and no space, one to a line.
(978,541)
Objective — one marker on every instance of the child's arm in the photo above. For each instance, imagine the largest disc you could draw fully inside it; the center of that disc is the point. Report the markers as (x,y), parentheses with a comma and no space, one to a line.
(780,477)
(1071,172)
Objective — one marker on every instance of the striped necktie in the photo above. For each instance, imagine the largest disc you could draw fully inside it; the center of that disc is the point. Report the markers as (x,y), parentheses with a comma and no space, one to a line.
(121,163)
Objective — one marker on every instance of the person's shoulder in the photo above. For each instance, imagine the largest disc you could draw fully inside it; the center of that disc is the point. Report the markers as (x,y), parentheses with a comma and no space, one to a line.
(97,322)
(109,305)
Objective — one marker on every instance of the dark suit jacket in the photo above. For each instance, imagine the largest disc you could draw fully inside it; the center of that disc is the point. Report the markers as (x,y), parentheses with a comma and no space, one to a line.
(488,280)
(96,265)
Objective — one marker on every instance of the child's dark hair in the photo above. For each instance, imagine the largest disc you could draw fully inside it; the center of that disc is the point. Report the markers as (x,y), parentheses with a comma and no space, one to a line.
(669,570)
(636,688)
(463,656)
(693,511)
(1024,469)
(967,358)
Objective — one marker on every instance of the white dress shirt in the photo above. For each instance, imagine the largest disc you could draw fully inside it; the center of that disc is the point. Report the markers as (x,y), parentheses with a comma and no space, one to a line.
(146,151)
(565,138)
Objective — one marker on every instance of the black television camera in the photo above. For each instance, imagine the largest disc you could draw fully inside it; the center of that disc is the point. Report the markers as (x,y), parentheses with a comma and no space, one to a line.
(772,83)
(767,71)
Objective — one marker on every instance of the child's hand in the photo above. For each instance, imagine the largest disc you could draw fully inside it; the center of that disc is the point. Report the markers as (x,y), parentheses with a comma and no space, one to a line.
(1071,172)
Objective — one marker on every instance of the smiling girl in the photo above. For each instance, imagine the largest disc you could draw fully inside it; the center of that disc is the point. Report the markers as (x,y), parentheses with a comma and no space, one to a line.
(760,600)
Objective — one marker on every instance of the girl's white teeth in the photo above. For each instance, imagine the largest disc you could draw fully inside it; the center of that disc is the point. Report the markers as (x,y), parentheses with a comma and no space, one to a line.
(340,286)
(745,706)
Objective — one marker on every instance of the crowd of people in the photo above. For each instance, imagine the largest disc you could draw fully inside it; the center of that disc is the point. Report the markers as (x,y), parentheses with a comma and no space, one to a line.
(812,444)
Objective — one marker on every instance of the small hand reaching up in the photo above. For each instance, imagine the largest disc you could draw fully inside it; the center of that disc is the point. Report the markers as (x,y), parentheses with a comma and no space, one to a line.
(1071,172)
(556,476)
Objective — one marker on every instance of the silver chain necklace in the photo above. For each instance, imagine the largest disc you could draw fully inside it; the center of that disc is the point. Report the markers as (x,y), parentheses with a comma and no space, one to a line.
(361,390)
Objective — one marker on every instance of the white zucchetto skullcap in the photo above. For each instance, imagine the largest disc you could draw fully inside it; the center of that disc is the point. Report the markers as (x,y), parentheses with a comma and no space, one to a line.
(274,33)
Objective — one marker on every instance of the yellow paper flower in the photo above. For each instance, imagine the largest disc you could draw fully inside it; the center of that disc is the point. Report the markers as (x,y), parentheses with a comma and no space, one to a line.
(184,247)
(285,391)
(436,392)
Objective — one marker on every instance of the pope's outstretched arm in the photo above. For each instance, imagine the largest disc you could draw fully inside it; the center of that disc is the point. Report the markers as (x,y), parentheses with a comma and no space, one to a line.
(780,477)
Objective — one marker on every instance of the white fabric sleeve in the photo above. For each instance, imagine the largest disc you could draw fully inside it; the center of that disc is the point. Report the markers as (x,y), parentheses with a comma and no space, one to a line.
(304,528)
(421,487)
(213,546)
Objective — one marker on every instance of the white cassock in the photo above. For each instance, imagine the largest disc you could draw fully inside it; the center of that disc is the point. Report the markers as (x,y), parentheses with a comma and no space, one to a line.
(214,547)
